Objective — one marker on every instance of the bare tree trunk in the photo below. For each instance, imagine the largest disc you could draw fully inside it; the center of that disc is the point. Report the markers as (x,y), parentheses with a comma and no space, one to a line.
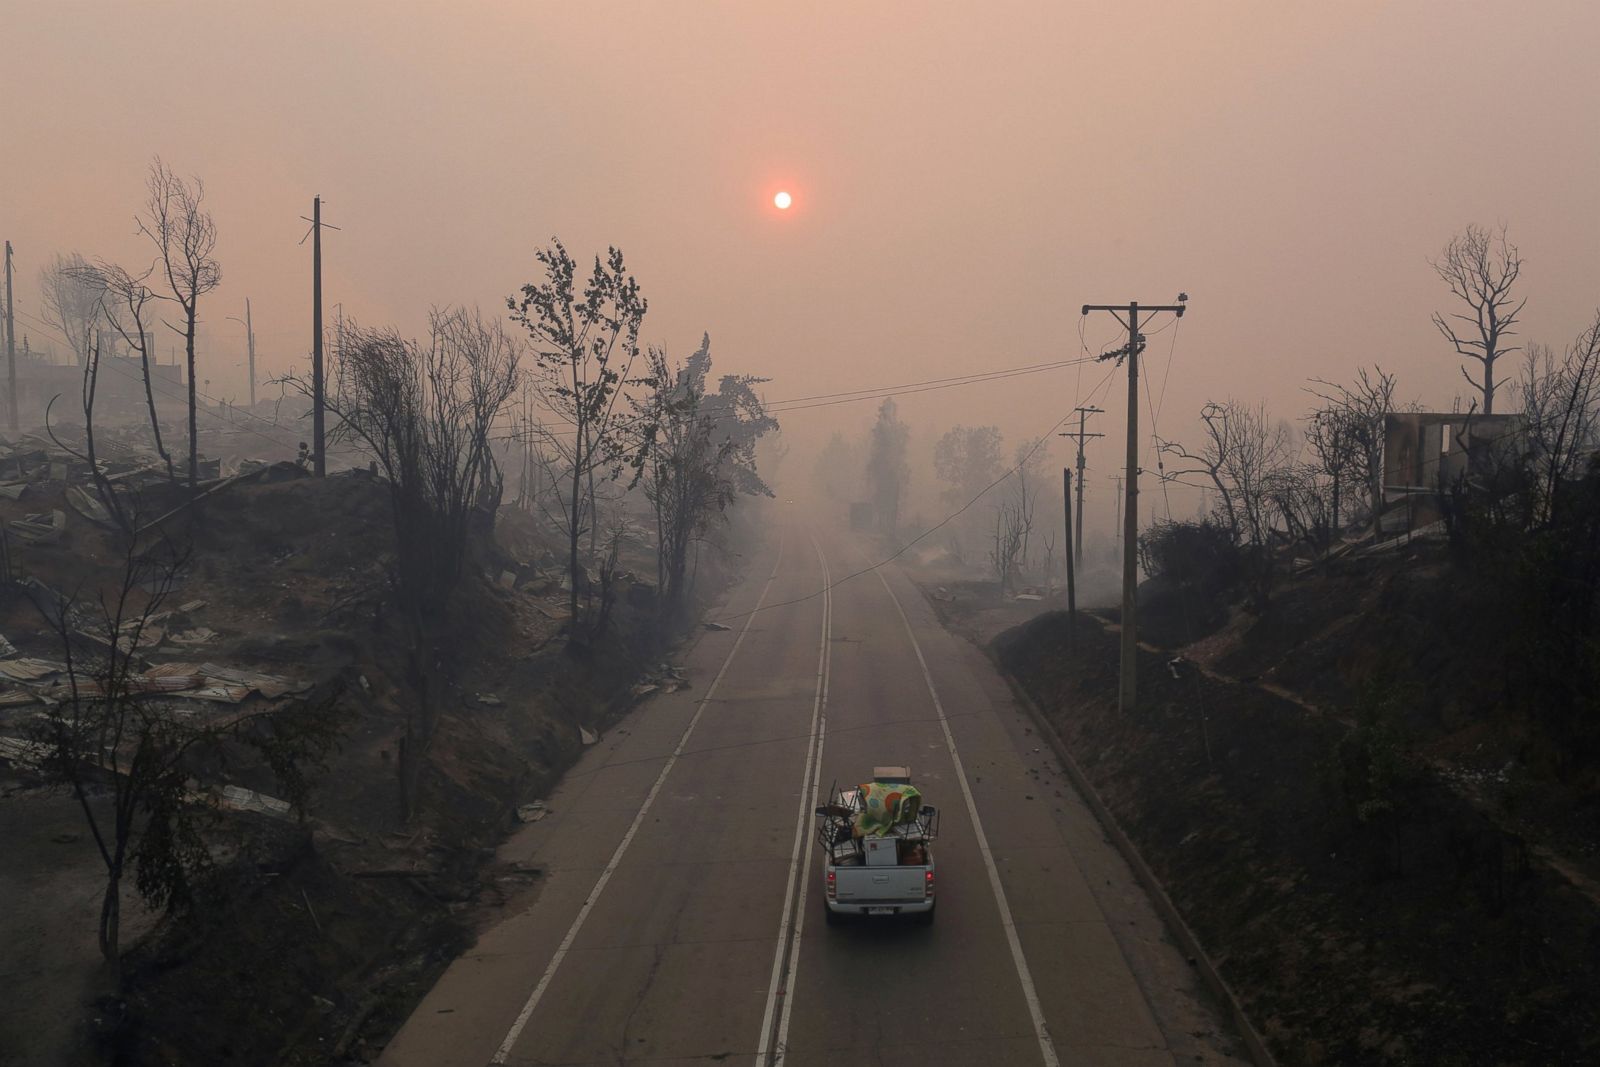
(573,530)
(111,924)
(150,401)
(194,440)
(419,721)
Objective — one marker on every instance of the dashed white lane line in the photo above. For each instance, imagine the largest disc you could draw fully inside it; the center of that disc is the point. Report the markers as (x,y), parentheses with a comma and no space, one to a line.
(1047,1048)
(504,1051)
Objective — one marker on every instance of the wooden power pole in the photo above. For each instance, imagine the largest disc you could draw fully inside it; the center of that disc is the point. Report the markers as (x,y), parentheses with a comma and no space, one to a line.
(1126,691)
(1072,578)
(11,351)
(1075,546)
(319,458)
(250,340)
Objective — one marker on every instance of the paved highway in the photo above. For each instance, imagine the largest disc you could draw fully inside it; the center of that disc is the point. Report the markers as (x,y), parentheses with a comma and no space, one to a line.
(679,919)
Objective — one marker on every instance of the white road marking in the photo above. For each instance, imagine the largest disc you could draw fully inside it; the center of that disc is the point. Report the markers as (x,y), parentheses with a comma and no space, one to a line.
(793,921)
(515,1032)
(1046,1046)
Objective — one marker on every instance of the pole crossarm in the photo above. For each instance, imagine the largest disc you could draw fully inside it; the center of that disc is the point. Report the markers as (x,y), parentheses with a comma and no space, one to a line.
(1176,309)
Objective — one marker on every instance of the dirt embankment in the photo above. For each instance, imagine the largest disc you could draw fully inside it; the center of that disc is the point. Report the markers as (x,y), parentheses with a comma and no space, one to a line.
(312,941)
(1362,908)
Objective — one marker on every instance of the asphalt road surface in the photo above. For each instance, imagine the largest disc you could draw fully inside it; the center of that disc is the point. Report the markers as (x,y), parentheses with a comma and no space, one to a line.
(680,920)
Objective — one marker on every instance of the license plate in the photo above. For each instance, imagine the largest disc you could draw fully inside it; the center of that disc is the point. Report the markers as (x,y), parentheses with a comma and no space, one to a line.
(880,911)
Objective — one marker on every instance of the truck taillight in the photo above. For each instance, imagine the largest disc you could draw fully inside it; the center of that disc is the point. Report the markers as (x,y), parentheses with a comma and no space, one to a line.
(833,885)
(927,884)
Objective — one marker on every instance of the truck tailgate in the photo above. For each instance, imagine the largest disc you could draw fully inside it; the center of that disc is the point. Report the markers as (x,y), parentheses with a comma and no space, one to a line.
(870,885)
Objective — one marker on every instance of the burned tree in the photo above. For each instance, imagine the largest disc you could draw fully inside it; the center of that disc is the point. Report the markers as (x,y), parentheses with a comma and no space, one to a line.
(1245,456)
(425,412)
(129,757)
(1303,495)
(71,292)
(1012,524)
(120,516)
(888,471)
(185,238)
(1480,267)
(1561,408)
(967,461)
(126,303)
(585,345)
(1346,432)
(700,458)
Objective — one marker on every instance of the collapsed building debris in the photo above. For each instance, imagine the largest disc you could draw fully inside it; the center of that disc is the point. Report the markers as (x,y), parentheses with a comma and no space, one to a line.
(237,798)
(89,505)
(44,528)
(532,812)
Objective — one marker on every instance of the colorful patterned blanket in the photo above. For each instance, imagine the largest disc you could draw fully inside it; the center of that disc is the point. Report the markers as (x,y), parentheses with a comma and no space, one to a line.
(884,805)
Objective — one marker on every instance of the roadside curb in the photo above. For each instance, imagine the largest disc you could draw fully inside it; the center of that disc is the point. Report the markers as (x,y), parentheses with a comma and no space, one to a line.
(1147,878)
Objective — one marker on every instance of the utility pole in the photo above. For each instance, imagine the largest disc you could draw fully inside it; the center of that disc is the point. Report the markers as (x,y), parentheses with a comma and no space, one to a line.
(250,337)
(11,351)
(1072,587)
(1126,691)
(319,458)
(1083,414)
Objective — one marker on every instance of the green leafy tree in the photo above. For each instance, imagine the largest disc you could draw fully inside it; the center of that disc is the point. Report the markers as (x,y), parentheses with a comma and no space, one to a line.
(700,458)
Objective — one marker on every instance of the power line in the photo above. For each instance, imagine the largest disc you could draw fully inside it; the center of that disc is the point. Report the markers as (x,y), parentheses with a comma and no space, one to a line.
(155,382)
(1048,365)
(932,385)
(1130,352)
(935,528)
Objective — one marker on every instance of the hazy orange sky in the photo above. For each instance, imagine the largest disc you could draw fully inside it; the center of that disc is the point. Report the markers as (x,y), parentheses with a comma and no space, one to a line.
(966,176)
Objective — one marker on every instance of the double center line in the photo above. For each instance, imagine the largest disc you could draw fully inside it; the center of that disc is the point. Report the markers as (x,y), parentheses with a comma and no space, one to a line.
(504,1051)
(786,956)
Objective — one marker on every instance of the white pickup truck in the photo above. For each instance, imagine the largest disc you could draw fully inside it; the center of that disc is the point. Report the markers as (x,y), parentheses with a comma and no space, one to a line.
(878,843)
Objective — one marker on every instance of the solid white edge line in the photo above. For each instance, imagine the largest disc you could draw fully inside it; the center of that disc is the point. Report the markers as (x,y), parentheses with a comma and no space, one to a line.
(515,1032)
(781,1046)
(788,925)
(1029,994)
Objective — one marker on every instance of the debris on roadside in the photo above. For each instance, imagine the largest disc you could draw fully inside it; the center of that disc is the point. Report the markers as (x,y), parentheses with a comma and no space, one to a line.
(237,798)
